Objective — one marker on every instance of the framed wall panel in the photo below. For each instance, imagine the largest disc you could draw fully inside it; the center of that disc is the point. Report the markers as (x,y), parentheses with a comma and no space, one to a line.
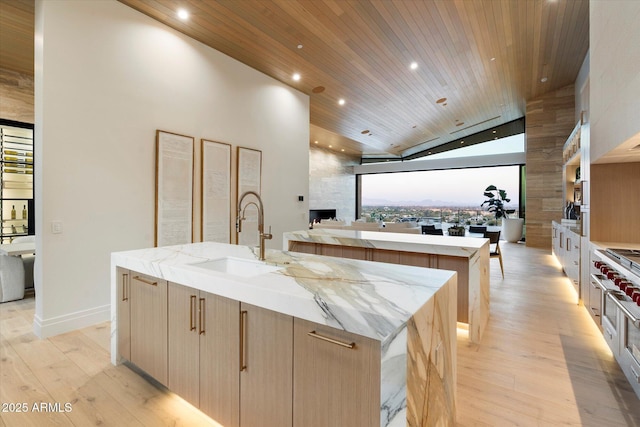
(249,178)
(216,192)
(174,189)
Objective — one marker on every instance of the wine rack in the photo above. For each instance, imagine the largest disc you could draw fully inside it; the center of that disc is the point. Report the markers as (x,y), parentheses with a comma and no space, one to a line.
(16,179)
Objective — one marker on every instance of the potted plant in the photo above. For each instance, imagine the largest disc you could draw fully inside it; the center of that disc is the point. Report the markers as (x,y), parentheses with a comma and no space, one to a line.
(456,230)
(511,227)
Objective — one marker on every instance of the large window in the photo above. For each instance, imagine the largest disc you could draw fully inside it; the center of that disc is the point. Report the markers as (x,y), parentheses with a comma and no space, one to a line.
(437,195)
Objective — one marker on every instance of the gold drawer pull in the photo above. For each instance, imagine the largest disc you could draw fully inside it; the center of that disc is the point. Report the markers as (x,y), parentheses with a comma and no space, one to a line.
(202,315)
(192,312)
(313,334)
(147,281)
(125,297)
(243,337)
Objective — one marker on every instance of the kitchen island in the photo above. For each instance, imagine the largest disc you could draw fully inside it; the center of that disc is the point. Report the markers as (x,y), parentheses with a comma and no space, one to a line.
(297,340)
(468,256)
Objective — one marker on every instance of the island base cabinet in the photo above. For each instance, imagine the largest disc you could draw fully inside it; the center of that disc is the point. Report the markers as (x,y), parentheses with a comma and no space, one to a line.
(220,359)
(266,358)
(149,325)
(204,352)
(336,378)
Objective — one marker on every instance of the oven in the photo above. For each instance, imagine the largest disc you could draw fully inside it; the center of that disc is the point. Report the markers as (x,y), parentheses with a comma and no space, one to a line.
(630,340)
(616,272)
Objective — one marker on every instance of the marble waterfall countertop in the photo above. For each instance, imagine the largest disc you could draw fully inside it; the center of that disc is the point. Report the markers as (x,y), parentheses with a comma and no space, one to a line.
(376,300)
(422,243)
(367,298)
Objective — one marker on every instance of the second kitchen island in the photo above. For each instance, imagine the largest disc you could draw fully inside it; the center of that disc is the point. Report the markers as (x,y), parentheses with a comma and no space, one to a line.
(468,256)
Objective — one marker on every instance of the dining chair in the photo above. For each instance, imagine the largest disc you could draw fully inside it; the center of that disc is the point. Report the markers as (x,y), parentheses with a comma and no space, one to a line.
(477,229)
(427,227)
(434,231)
(494,251)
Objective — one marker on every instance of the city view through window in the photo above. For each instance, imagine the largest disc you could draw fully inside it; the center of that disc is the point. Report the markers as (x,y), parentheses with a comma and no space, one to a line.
(437,196)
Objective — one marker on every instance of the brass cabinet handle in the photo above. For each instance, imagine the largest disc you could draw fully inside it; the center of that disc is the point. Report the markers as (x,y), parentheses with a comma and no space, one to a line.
(147,281)
(313,334)
(243,336)
(125,297)
(202,329)
(192,314)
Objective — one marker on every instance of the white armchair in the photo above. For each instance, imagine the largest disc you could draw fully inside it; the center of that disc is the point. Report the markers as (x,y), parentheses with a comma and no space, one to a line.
(11,278)
(16,273)
(28,260)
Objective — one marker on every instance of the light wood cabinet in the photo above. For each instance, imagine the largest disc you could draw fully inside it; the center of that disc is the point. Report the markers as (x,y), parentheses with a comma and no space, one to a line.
(336,377)
(352,252)
(203,352)
(266,359)
(220,359)
(184,343)
(124,316)
(149,325)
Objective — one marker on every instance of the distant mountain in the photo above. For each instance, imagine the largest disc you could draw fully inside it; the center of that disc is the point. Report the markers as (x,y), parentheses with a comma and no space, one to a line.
(425,202)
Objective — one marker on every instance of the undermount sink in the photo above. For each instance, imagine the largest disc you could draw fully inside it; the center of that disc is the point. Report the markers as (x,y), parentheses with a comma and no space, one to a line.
(237,266)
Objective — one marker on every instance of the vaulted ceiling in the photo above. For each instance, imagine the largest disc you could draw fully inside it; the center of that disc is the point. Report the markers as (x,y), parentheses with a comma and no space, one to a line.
(478,61)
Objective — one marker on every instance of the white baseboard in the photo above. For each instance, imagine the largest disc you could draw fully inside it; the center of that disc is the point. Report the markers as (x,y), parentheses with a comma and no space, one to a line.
(45,328)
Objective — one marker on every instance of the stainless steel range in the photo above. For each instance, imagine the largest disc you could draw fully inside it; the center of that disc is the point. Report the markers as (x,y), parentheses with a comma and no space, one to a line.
(629,258)
(615,273)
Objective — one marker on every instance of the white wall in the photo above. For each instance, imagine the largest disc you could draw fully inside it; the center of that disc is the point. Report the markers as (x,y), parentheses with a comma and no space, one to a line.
(106,78)
(614,46)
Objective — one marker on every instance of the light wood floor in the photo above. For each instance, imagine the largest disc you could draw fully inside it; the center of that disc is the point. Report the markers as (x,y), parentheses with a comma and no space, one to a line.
(542,362)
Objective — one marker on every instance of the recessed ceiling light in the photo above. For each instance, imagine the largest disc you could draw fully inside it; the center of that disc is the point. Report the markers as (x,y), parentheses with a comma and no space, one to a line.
(461,142)
(414,66)
(494,131)
(341,101)
(296,77)
(543,80)
(183,14)
(299,46)
(342,149)
(330,146)
(441,100)
(315,142)
(493,59)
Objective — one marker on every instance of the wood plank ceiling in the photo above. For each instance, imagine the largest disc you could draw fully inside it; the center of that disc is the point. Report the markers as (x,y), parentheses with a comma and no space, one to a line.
(485,57)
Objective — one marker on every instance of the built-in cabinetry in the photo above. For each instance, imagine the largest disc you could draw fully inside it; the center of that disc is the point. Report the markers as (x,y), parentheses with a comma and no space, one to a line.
(570,238)
(566,248)
(148,328)
(572,176)
(16,178)
(203,351)
(244,365)
(266,374)
(326,391)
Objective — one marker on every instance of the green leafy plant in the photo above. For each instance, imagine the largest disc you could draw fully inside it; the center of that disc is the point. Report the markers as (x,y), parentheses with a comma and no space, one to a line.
(496,200)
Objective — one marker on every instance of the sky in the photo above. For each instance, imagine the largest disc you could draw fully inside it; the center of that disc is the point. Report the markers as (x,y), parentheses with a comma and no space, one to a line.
(454,186)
